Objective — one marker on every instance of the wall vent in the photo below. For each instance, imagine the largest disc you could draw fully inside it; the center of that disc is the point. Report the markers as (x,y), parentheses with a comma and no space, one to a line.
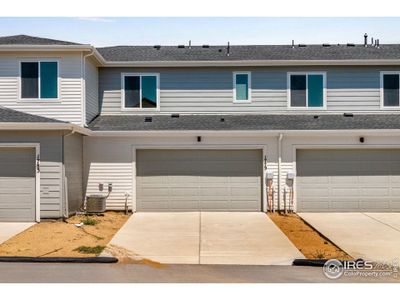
(148,119)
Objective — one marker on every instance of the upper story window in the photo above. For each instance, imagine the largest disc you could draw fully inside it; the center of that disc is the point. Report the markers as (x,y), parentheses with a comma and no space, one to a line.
(241,87)
(306,90)
(140,91)
(39,80)
(390,92)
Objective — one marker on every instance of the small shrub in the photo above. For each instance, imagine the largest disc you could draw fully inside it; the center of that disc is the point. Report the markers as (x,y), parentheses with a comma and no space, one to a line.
(319,254)
(89,221)
(90,250)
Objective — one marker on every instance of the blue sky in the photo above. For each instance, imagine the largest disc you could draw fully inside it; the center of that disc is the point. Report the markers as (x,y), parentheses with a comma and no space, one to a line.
(172,30)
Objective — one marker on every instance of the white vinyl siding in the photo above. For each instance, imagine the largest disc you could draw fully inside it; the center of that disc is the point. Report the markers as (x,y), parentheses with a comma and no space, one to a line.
(69,105)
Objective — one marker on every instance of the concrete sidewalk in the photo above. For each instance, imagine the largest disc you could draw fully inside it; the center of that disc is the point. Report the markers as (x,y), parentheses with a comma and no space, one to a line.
(373,236)
(205,238)
(9,229)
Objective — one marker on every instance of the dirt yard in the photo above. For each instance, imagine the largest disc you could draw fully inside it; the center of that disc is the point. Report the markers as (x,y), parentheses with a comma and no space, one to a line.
(306,239)
(62,239)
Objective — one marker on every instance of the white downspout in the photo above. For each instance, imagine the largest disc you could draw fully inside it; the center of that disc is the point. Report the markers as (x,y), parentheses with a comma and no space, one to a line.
(84,86)
(280,137)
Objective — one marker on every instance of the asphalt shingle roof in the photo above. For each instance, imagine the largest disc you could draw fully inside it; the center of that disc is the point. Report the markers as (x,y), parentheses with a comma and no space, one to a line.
(10,115)
(250,52)
(244,122)
(31,40)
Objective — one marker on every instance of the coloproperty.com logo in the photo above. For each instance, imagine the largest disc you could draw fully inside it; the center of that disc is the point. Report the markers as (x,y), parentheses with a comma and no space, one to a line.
(334,269)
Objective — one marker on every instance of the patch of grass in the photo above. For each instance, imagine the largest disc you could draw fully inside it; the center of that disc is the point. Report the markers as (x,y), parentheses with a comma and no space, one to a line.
(89,221)
(90,250)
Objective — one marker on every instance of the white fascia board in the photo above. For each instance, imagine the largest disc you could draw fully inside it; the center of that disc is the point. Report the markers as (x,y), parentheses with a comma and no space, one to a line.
(44,126)
(244,133)
(238,63)
(7,48)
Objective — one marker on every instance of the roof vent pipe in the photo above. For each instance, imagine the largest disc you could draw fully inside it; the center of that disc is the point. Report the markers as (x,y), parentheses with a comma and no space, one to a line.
(228,49)
(377,43)
(365,40)
(372,41)
(190,44)
(292,43)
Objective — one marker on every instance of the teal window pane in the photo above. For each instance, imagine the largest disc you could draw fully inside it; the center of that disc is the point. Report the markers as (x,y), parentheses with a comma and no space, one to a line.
(242,87)
(132,91)
(298,88)
(391,90)
(48,80)
(149,91)
(315,91)
(29,80)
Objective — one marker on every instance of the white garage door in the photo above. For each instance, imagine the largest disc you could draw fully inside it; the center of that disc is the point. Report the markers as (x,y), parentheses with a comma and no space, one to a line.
(17,184)
(348,180)
(199,180)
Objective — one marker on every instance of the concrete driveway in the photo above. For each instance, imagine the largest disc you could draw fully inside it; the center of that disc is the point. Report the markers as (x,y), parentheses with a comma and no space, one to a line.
(373,236)
(205,238)
(9,229)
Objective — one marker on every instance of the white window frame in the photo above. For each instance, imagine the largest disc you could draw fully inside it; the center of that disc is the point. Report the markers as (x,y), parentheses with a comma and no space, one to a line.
(248,73)
(324,93)
(39,99)
(123,108)
(381,91)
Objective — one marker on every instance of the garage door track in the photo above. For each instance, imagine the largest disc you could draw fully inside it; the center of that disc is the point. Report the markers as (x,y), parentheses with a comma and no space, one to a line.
(206,238)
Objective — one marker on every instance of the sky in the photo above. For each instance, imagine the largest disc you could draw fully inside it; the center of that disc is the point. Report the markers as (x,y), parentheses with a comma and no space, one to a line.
(104,31)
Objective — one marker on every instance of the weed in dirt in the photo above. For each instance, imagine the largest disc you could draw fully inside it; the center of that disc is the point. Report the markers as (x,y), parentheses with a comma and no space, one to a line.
(90,250)
(89,221)
(319,254)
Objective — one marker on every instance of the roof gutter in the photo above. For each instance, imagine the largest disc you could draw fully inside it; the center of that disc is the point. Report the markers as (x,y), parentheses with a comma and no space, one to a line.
(236,63)
(221,63)
(161,133)
(8,48)
(44,126)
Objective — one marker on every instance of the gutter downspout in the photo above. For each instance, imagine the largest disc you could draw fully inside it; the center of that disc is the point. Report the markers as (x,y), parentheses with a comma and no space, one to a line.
(84,57)
(65,183)
(280,137)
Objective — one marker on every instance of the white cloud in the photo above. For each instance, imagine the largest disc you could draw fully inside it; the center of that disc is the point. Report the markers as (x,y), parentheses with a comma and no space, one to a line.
(96,19)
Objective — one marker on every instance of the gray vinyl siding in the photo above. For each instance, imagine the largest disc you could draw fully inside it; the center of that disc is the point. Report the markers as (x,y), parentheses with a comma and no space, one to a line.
(67,108)
(50,167)
(92,91)
(208,90)
(73,162)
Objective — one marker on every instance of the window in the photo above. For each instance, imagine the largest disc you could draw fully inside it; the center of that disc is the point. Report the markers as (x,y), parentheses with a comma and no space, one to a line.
(140,91)
(390,89)
(242,87)
(306,90)
(39,80)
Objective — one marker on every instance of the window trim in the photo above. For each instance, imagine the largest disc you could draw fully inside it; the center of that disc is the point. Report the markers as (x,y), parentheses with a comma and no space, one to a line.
(381,91)
(123,108)
(309,108)
(39,99)
(248,73)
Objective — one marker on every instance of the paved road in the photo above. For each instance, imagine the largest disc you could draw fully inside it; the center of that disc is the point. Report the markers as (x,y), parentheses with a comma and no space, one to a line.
(131,273)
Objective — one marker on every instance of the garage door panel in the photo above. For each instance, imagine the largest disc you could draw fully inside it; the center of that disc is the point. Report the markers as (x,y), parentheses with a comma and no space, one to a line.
(343,191)
(357,180)
(312,191)
(199,180)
